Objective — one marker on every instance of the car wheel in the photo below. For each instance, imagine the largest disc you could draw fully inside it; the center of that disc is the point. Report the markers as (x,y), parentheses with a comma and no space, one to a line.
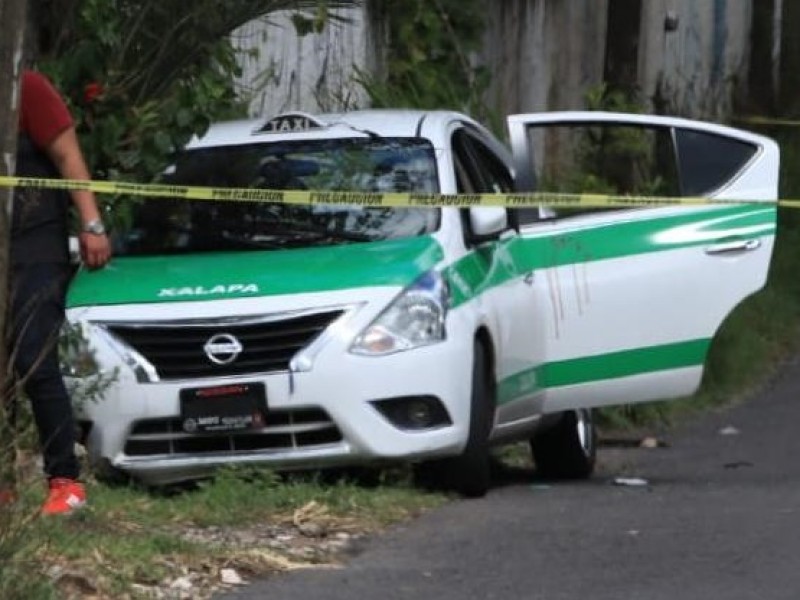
(568,449)
(469,473)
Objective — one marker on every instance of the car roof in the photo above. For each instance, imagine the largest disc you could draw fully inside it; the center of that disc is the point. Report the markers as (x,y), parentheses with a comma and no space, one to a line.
(300,125)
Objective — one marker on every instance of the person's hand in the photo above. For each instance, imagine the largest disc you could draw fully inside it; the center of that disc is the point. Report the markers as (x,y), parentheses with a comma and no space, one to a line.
(95,249)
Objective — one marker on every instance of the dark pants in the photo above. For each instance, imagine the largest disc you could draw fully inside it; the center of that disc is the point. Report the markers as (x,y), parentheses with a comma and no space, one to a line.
(37,299)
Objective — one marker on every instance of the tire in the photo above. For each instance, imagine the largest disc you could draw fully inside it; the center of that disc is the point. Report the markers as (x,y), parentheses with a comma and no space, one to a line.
(568,449)
(469,473)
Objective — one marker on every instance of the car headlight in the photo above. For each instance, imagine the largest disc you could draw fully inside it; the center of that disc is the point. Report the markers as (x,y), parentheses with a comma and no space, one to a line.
(415,318)
(76,356)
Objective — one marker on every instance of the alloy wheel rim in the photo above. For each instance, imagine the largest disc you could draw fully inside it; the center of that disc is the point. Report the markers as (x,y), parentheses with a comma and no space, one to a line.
(583,424)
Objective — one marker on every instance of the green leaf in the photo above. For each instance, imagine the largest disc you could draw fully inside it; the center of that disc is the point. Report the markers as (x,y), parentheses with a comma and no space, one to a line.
(302,25)
(183,118)
(163,142)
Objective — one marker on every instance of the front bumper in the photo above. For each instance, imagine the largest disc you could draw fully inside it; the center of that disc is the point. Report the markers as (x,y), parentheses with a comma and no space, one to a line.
(318,418)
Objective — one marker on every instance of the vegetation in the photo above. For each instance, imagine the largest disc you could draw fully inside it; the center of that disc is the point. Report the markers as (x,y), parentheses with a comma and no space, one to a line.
(143,76)
(131,542)
(429,56)
(135,102)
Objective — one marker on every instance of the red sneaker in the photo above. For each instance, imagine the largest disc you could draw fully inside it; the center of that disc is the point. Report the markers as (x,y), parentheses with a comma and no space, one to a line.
(65,497)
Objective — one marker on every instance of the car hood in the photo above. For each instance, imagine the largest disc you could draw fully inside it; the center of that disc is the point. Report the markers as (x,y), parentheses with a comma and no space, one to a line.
(213,276)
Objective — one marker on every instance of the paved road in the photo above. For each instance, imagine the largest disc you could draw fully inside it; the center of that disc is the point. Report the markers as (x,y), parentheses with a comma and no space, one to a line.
(720,519)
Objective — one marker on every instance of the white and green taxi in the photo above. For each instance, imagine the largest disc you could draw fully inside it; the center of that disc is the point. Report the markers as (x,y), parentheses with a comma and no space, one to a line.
(305,336)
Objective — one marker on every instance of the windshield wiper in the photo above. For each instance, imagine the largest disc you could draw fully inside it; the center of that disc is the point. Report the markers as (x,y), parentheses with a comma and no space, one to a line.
(291,235)
(311,232)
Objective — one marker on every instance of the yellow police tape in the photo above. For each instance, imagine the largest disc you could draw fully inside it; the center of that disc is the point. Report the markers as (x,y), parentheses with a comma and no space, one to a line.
(767,121)
(374,199)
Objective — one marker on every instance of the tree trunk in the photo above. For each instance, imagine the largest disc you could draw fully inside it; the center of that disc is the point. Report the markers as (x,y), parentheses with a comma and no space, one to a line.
(12,27)
(622,46)
(761,96)
(790,61)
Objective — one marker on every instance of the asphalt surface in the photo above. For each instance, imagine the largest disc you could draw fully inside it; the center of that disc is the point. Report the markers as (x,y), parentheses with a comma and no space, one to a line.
(718,519)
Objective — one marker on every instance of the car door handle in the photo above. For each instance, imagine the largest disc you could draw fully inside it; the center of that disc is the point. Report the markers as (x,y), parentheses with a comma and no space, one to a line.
(528,279)
(736,246)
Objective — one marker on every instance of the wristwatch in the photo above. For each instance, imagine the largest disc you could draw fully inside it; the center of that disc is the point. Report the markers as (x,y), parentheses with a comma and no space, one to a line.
(94,226)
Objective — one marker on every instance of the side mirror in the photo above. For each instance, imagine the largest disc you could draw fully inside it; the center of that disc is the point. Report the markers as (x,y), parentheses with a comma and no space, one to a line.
(487,223)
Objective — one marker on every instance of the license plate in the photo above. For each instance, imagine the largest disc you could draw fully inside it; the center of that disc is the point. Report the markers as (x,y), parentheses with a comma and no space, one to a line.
(224,408)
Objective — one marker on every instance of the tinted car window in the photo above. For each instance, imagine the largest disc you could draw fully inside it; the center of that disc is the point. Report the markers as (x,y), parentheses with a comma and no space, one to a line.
(467,178)
(496,177)
(602,158)
(488,173)
(707,161)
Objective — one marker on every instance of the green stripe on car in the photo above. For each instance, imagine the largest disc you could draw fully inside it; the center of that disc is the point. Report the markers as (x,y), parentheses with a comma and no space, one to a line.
(605,366)
(514,257)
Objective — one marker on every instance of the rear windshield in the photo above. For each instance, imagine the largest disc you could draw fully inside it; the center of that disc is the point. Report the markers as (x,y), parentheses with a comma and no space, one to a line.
(167,226)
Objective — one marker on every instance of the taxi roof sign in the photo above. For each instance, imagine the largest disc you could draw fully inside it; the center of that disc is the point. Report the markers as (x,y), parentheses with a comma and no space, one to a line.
(295,122)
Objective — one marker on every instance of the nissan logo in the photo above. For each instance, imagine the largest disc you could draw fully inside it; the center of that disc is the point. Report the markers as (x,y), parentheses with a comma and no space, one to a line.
(222,348)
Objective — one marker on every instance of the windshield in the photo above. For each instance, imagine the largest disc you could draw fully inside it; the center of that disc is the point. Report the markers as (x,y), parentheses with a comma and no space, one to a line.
(166,226)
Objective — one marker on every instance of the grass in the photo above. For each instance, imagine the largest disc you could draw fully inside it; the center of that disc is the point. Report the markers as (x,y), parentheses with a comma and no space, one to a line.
(131,539)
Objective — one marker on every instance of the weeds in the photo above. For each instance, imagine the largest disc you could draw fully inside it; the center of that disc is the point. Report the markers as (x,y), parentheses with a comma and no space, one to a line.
(18,512)
(18,550)
(131,536)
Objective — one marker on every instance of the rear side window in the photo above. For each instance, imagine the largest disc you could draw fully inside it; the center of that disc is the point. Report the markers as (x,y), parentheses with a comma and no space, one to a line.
(602,158)
(631,160)
(707,161)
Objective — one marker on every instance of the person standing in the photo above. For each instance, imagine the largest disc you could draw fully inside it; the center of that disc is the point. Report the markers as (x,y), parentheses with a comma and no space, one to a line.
(40,272)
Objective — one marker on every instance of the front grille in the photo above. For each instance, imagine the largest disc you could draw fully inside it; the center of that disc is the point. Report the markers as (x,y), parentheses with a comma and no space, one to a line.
(284,431)
(176,350)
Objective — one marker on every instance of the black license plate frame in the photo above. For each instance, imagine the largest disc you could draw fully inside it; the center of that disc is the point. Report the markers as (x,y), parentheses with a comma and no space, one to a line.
(223,408)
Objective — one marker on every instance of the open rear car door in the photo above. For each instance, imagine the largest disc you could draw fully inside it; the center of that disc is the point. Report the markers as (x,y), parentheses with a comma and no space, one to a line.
(633,296)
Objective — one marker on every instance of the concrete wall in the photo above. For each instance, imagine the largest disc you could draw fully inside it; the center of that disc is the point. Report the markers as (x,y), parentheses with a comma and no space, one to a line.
(283,71)
(543,55)
(697,69)
(547,55)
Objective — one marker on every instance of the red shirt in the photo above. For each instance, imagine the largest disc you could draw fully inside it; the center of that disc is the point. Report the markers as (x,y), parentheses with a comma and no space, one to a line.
(43,115)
